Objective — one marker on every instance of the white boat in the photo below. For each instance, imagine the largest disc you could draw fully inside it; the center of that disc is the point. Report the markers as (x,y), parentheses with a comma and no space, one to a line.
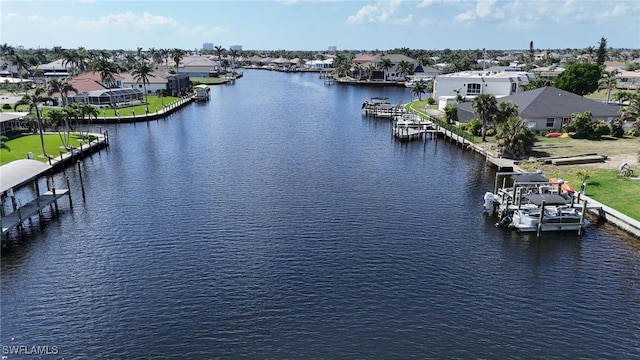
(552,210)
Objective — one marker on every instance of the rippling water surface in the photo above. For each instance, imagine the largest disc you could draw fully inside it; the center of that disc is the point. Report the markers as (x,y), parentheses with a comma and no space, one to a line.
(275,221)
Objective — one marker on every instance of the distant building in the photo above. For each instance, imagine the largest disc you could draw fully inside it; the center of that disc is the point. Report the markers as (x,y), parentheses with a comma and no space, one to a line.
(207,46)
(332,49)
(235,47)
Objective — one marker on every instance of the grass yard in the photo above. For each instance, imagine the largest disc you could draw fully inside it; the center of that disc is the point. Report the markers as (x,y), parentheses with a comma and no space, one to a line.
(206,80)
(607,187)
(31,143)
(155,103)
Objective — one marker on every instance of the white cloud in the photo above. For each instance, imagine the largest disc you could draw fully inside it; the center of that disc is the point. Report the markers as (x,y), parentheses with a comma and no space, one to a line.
(36,18)
(484,10)
(381,12)
(9,16)
(129,20)
(614,12)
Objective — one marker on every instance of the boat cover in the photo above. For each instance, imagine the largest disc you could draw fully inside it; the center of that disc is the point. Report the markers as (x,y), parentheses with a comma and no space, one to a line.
(529,177)
(549,199)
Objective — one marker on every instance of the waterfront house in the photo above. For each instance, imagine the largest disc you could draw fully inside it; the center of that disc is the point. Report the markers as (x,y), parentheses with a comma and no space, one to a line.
(55,70)
(197,66)
(469,84)
(549,108)
(156,82)
(10,122)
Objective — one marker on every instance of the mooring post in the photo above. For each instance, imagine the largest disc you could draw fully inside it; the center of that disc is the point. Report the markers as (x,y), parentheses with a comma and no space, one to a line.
(81,181)
(55,200)
(69,193)
(584,211)
(37,188)
(540,218)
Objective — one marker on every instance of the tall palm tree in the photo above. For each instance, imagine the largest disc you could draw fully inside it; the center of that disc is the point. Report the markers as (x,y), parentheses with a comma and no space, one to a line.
(608,82)
(219,50)
(141,73)
(506,110)
(234,54)
(485,106)
(32,100)
(419,89)
(20,62)
(61,87)
(107,70)
(177,55)
(57,119)
(404,68)
(385,65)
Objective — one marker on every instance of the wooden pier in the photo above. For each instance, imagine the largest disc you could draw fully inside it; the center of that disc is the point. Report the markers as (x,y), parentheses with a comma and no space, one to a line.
(23,213)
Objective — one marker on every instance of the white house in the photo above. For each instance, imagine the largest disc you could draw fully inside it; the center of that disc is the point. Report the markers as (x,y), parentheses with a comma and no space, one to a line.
(469,84)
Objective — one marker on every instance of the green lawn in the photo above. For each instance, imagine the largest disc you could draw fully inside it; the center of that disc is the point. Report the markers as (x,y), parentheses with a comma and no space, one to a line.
(31,143)
(155,103)
(206,80)
(607,187)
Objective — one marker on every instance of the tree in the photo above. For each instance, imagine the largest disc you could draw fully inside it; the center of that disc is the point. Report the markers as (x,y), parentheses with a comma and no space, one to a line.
(107,70)
(536,84)
(631,112)
(219,50)
(385,65)
(419,89)
(177,55)
(58,118)
(515,138)
(20,62)
(579,78)
(32,101)
(608,82)
(141,73)
(404,68)
(485,106)
(506,110)
(3,143)
(601,54)
(580,124)
(234,55)
(61,87)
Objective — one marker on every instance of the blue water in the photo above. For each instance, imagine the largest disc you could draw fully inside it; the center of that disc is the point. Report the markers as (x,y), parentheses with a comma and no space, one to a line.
(276,222)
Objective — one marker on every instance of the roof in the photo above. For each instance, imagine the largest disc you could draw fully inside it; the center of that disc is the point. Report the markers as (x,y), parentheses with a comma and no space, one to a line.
(156,77)
(551,102)
(528,177)
(396,58)
(55,65)
(95,76)
(19,172)
(8,116)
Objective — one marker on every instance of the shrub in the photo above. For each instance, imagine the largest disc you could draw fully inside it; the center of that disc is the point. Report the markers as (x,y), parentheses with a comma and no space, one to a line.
(617,130)
(6,106)
(431,101)
(597,130)
(491,132)
(475,127)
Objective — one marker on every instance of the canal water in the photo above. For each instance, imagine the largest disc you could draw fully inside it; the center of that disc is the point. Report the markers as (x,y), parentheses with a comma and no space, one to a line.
(276,222)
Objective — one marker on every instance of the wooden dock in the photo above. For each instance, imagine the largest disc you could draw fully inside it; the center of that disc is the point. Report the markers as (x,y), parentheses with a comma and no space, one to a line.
(407,127)
(23,213)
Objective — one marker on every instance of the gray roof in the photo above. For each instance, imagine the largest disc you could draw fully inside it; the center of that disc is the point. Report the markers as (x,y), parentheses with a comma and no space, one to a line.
(19,172)
(551,102)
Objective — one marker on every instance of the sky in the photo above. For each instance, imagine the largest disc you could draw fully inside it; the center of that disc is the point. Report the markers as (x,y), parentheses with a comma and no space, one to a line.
(318,24)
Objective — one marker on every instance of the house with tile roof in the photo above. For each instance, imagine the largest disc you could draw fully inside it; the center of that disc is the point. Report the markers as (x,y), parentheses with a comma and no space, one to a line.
(157,81)
(549,108)
(197,66)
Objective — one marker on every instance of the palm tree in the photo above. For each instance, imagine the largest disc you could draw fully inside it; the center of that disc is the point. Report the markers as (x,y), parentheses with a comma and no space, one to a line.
(61,87)
(234,54)
(419,89)
(141,73)
(506,110)
(57,118)
(107,70)
(515,138)
(177,55)
(608,82)
(404,68)
(20,62)
(32,101)
(219,50)
(3,143)
(631,112)
(385,65)
(485,106)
